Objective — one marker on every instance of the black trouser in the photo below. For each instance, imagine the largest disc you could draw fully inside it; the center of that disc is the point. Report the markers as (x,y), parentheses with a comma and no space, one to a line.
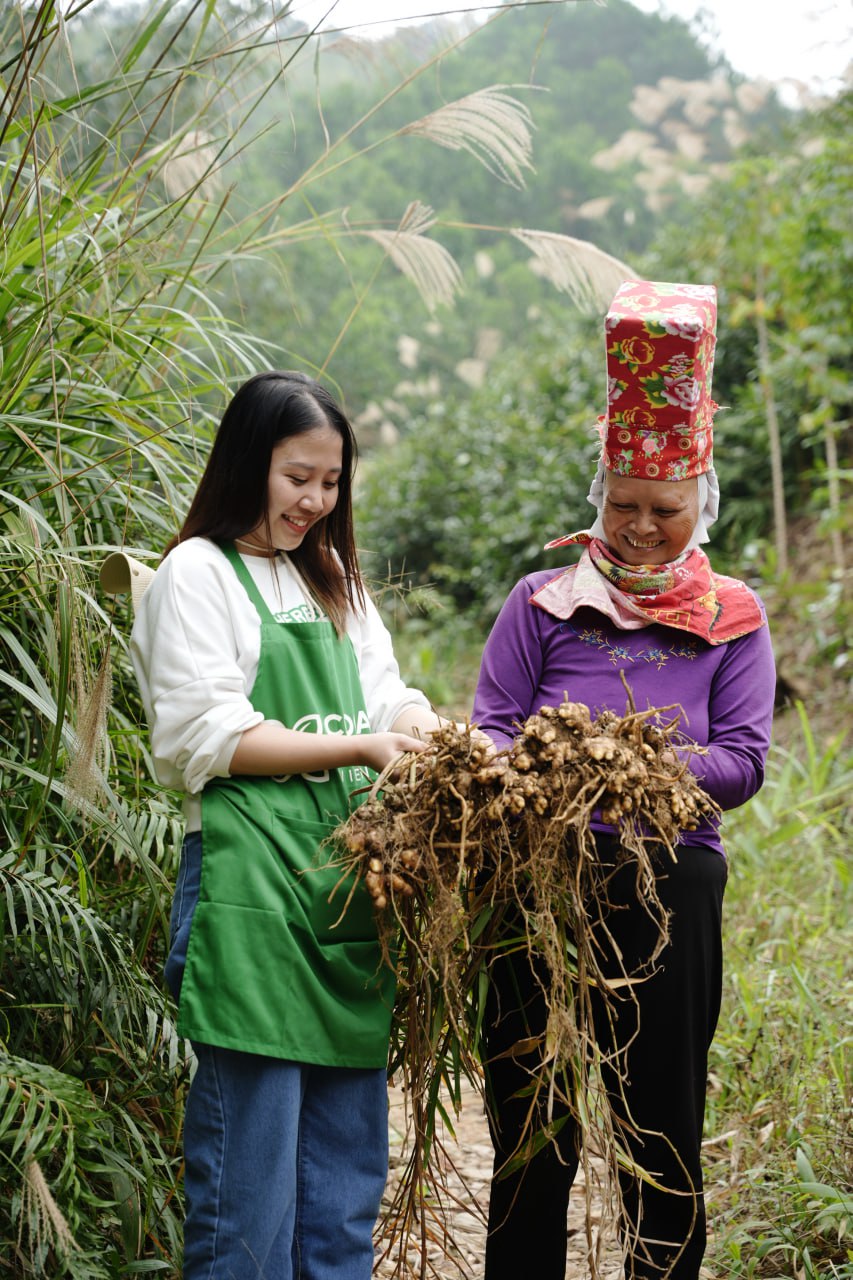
(661,1040)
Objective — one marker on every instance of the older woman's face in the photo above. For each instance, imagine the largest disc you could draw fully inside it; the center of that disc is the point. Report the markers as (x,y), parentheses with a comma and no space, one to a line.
(648,521)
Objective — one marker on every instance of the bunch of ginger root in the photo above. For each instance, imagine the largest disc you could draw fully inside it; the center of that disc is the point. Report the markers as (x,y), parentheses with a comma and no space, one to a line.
(462,808)
(465,851)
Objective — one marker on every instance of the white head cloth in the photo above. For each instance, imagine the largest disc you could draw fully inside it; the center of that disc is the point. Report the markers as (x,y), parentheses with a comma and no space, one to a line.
(709,505)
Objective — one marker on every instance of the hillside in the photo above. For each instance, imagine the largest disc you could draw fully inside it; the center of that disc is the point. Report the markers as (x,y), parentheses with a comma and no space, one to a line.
(630,121)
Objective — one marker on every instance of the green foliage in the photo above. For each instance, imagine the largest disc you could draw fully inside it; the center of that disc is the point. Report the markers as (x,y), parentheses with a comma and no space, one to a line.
(475,487)
(119,247)
(470,494)
(108,342)
(577,68)
(152,197)
(775,238)
(779,1148)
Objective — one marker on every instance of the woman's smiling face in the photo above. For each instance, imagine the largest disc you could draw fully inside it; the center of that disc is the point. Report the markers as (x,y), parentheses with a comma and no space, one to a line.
(302,488)
(648,521)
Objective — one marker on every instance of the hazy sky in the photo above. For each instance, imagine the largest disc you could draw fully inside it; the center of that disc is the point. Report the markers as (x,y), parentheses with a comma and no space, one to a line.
(805,40)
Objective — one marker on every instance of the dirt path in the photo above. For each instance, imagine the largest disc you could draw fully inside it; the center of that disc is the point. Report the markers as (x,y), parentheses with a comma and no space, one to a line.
(471,1155)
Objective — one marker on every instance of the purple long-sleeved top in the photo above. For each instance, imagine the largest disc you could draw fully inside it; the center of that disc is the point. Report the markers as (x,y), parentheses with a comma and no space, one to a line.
(725,692)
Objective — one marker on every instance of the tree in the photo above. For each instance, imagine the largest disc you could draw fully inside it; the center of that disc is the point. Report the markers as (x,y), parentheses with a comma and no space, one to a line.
(774,237)
(478,483)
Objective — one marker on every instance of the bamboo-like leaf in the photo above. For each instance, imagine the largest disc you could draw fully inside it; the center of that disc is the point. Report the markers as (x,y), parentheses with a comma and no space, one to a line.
(78,956)
(430,267)
(41,1111)
(490,124)
(586,273)
(50,1120)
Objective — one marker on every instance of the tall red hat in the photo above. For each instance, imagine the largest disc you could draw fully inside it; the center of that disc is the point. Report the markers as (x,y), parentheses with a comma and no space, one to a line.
(660,341)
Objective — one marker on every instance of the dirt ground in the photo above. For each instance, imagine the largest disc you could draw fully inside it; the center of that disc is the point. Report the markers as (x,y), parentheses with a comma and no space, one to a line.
(471,1154)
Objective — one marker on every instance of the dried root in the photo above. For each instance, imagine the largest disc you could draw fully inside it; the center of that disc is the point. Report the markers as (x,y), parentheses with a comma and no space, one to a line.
(460,839)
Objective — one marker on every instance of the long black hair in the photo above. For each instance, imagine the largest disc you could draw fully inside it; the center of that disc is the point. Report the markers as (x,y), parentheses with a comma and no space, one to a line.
(231,498)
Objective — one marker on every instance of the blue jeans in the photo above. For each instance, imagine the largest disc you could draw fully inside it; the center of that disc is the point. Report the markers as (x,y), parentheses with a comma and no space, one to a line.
(285,1162)
(285,1168)
(183,905)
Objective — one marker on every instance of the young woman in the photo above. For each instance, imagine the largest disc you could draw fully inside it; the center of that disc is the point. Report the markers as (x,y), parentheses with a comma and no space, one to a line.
(271,689)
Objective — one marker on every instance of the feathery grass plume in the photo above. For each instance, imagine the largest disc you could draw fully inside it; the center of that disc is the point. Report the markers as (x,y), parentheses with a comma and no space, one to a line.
(694,184)
(631,146)
(84,776)
(650,103)
(487,343)
(408,350)
(46,1224)
(596,208)
(700,101)
(189,166)
(735,131)
(472,371)
(752,96)
(366,55)
(430,267)
(587,274)
(490,125)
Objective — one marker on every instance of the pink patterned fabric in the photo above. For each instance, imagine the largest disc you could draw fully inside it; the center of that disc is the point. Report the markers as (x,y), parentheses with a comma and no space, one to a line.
(686,594)
(660,340)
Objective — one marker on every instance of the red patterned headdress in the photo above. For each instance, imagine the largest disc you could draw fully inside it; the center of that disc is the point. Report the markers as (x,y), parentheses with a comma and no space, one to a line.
(660,341)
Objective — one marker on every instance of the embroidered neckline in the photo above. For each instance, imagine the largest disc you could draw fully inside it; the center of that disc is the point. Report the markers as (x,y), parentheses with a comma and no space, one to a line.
(657,654)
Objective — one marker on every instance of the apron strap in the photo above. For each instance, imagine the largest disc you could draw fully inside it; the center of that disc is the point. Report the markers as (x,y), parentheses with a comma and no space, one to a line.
(231,553)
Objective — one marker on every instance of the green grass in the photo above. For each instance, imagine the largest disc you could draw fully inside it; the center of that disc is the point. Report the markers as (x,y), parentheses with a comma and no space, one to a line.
(779,1146)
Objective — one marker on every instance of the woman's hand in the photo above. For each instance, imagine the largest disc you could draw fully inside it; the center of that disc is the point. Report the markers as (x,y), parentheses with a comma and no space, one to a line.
(381,748)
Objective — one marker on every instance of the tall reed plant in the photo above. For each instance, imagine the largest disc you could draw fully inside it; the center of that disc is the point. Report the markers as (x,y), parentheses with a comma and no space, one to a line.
(121,241)
(111,352)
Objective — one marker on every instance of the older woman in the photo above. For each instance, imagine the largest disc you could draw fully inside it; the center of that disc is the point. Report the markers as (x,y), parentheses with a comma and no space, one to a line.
(642,601)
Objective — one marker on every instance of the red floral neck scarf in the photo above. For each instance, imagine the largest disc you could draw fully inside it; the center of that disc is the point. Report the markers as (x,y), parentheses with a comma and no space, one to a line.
(685,594)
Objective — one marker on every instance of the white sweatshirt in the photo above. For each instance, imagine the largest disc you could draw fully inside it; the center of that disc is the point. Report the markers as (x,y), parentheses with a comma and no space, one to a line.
(195,647)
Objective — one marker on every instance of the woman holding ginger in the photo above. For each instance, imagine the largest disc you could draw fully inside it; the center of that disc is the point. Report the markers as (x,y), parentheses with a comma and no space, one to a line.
(642,605)
(271,688)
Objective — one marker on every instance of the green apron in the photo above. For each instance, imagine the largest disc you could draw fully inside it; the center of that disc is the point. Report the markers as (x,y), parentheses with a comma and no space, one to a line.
(268,968)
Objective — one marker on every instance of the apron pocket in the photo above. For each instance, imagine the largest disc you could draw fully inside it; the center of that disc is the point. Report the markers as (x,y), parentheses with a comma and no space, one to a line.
(318,887)
(267,986)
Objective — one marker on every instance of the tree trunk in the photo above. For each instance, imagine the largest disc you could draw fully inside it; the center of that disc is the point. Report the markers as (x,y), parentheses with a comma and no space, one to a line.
(834,492)
(780,522)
